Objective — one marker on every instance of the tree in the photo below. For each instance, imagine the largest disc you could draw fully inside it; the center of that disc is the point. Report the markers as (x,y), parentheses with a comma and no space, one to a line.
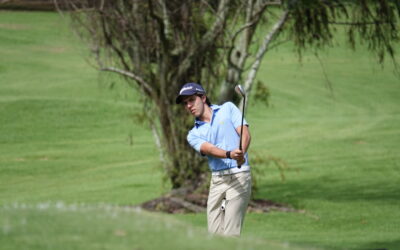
(159,45)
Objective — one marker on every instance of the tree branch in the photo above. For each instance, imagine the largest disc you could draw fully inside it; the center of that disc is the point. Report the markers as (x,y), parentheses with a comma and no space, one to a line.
(167,26)
(148,89)
(157,140)
(358,23)
(276,3)
(161,22)
(252,18)
(218,24)
(328,82)
(261,51)
(208,38)
(239,50)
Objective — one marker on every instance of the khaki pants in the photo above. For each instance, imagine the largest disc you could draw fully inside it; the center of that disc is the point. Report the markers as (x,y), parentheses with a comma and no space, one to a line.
(236,189)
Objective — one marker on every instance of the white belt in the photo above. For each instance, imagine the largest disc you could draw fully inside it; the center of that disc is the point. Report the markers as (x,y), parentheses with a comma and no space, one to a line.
(231,171)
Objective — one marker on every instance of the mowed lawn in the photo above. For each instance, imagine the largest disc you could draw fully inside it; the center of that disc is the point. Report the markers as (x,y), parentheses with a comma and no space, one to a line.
(74,159)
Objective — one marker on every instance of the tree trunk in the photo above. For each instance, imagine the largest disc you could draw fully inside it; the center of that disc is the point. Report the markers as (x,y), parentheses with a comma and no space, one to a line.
(183,165)
(239,52)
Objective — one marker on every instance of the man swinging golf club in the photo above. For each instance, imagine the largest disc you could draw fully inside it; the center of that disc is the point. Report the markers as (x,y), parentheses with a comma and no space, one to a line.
(221,134)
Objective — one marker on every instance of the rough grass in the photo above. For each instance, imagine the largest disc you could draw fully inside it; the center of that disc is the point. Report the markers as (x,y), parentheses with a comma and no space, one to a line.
(79,226)
(67,137)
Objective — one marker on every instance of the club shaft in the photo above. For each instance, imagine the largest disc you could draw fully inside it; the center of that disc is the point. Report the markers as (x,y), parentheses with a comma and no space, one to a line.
(241,131)
(241,127)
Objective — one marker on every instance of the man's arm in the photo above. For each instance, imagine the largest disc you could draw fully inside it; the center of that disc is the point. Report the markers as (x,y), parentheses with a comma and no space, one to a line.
(209,149)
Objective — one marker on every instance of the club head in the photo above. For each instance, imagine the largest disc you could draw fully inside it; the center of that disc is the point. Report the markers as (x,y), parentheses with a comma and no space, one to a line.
(240,90)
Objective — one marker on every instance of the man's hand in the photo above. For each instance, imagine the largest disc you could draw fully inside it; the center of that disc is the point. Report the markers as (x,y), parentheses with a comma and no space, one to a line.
(238,155)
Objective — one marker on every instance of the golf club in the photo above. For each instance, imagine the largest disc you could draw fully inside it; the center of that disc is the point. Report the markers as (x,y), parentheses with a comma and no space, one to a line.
(239,89)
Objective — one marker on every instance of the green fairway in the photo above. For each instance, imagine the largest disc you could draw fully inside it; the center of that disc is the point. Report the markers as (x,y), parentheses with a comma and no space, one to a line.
(74,159)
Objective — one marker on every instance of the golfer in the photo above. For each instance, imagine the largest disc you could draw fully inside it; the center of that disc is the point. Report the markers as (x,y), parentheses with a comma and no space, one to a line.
(216,134)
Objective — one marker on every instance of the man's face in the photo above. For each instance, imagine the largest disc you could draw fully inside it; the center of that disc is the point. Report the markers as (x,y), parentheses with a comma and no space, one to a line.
(194,104)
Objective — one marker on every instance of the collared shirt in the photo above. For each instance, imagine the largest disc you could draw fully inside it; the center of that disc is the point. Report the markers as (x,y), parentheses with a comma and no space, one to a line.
(221,132)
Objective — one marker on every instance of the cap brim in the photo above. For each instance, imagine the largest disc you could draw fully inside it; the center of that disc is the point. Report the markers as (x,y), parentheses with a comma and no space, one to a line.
(179,99)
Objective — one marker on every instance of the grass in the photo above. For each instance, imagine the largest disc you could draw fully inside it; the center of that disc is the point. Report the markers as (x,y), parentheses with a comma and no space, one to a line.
(80,226)
(73,159)
(63,132)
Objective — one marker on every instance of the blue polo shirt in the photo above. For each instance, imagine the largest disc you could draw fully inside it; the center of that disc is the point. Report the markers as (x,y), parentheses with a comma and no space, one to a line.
(221,132)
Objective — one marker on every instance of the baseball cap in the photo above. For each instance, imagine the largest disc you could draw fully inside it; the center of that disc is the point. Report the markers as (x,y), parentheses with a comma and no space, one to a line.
(190,89)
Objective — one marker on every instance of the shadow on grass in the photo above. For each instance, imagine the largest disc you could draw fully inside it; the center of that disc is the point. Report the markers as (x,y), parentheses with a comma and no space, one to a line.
(381,245)
(331,189)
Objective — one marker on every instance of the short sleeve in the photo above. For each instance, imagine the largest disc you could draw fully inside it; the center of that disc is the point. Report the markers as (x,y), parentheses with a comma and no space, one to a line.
(195,140)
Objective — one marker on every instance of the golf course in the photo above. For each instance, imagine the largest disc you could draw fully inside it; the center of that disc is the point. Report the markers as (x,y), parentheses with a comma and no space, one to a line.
(76,159)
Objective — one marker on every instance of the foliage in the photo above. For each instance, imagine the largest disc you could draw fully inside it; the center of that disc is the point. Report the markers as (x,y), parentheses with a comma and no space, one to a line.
(262,93)
(374,23)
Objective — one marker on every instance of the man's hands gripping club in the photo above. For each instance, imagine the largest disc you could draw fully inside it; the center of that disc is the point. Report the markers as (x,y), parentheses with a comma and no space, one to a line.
(237,154)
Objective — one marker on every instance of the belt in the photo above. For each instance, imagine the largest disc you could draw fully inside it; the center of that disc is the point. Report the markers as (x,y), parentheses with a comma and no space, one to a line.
(231,171)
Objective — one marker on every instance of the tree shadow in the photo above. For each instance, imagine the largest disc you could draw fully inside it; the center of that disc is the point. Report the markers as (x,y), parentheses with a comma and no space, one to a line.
(381,245)
(338,188)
